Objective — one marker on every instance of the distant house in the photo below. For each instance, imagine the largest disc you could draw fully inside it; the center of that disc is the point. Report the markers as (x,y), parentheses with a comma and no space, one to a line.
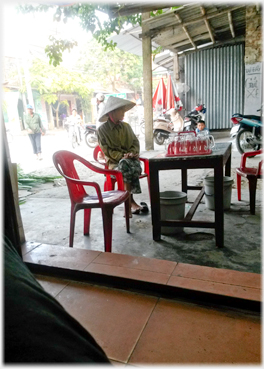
(14,108)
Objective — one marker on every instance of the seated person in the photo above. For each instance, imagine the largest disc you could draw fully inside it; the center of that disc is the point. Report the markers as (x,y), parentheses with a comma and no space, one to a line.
(121,146)
(201,128)
(37,329)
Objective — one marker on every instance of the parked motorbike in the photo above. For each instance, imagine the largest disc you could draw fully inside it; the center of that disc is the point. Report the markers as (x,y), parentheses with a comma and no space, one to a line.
(247,129)
(88,132)
(163,127)
(191,119)
(91,135)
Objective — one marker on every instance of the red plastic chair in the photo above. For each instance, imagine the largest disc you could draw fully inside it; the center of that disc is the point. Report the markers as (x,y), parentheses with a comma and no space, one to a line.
(110,182)
(107,201)
(252,174)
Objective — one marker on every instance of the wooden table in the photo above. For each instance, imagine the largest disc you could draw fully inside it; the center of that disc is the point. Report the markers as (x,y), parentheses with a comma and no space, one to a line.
(218,159)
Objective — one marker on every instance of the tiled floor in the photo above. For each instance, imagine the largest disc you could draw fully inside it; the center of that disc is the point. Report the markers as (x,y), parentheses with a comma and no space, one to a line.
(139,329)
(134,328)
(197,278)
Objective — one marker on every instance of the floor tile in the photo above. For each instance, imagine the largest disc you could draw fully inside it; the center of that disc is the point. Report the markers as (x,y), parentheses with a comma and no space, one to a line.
(117,363)
(59,256)
(218,275)
(136,262)
(51,285)
(179,333)
(142,275)
(115,318)
(218,288)
(29,246)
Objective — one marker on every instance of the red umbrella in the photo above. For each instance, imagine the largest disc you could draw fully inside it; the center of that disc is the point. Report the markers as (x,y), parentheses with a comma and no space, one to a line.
(173,100)
(159,97)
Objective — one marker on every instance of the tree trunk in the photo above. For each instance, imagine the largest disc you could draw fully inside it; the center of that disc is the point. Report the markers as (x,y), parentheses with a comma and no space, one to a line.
(57,115)
(51,120)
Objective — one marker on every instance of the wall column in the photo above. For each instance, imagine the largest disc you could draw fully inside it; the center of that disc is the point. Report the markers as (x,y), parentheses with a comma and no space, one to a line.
(147,84)
(253,60)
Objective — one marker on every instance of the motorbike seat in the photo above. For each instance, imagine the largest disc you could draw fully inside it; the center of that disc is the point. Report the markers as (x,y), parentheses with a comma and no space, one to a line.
(256,117)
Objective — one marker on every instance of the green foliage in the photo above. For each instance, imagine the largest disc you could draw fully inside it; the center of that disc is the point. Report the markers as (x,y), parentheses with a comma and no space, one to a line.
(89,21)
(157,51)
(27,181)
(52,81)
(109,67)
(56,48)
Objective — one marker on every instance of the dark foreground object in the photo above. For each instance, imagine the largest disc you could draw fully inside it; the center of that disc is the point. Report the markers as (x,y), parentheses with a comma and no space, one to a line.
(37,328)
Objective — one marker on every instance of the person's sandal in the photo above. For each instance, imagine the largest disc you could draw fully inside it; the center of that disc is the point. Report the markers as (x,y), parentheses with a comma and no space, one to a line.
(144,207)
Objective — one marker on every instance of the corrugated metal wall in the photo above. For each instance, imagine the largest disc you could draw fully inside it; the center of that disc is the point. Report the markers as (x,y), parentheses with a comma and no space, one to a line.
(216,78)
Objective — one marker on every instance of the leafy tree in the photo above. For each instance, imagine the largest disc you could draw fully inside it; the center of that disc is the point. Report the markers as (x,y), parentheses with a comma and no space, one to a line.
(110,67)
(52,82)
(87,13)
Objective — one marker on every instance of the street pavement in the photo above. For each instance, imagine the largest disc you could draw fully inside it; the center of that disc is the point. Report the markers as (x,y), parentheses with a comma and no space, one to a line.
(57,139)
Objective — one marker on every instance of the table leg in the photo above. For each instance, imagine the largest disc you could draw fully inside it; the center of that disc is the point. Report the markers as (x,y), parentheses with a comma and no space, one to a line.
(184,180)
(228,166)
(219,206)
(155,203)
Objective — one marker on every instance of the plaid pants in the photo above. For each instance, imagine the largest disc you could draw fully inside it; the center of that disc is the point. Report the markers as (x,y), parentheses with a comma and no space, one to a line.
(131,170)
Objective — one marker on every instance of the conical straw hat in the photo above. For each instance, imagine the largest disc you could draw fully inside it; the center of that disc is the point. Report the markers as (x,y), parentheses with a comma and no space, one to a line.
(114,103)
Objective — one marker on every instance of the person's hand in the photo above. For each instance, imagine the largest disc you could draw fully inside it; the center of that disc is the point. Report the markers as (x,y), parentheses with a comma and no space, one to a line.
(29,130)
(135,156)
(130,155)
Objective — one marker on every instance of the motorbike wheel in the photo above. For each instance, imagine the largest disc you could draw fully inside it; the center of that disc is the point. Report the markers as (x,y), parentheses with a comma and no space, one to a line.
(74,140)
(158,138)
(243,141)
(91,140)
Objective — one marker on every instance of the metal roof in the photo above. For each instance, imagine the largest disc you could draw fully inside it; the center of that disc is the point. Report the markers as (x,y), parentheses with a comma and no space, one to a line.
(185,29)
(196,25)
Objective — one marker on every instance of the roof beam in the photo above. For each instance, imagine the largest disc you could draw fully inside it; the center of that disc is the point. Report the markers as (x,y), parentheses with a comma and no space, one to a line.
(154,31)
(165,61)
(183,43)
(128,8)
(207,25)
(218,43)
(231,24)
(185,30)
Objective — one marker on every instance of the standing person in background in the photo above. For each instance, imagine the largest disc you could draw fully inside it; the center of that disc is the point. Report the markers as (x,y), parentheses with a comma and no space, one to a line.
(100,104)
(75,122)
(35,129)
(138,100)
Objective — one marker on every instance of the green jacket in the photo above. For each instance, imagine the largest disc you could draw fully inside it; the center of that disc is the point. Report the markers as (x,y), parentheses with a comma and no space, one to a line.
(34,123)
(116,140)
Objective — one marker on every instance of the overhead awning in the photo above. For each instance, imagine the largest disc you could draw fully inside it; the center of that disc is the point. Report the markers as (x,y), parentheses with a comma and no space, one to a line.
(185,29)
(193,26)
